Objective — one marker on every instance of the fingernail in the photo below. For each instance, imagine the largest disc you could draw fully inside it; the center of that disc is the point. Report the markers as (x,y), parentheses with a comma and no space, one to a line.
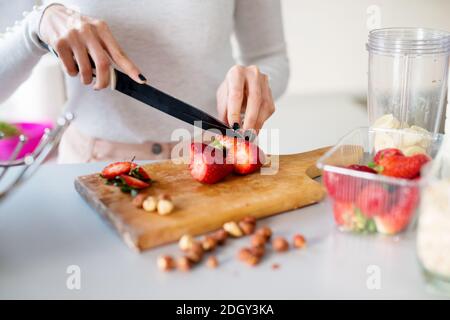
(249,135)
(141,76)
(236,126)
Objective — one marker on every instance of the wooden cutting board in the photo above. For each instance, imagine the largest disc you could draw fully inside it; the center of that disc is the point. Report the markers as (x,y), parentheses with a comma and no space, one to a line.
(202,208)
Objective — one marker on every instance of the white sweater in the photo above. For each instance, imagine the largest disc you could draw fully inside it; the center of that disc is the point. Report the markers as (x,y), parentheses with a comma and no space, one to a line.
(183,47)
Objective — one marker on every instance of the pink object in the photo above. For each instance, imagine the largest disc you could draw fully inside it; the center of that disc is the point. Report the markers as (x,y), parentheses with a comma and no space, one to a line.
(33,132)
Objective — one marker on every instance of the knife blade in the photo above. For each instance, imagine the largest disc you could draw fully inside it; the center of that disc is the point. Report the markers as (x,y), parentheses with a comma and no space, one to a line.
(168,104)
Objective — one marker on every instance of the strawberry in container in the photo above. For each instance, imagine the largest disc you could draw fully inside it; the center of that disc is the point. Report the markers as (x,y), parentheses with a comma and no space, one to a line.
(373,192)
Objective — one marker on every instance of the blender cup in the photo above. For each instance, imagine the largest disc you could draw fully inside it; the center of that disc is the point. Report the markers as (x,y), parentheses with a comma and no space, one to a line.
(407,86)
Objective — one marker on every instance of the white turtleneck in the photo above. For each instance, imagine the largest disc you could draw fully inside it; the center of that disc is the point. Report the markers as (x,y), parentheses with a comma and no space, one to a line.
(183,47)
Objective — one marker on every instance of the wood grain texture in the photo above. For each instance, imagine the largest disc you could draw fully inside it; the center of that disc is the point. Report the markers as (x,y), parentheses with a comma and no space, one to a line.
(202,208)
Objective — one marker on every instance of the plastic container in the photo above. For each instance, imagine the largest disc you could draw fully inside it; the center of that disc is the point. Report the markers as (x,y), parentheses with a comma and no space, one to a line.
(33,132)
(407,78)
(365,202)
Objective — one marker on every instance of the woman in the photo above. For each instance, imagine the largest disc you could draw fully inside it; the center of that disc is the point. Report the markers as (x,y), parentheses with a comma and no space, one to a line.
(181,47)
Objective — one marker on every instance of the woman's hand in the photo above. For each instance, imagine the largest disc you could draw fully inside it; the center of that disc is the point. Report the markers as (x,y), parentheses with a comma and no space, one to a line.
(245,90)
(75,37)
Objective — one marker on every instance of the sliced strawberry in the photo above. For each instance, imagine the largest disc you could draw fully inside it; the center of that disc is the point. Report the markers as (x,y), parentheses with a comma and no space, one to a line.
(139,173)
(133,182)
(361,168)
(116,169)
(401,166)
(225,141)
(248,157)
(208,164)
(401,213)
(386,153)
(373,200)
(144,174)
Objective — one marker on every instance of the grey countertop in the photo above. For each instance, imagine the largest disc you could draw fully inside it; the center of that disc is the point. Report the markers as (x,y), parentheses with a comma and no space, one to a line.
(45,227)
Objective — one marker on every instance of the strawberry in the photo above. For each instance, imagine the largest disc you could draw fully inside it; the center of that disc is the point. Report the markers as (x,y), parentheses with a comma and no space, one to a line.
(401,166)
(344,187)
(358,167)
(116,169)
(225,141)
(246,156)
(401,213)
(373,200)
(133,182)
(139,173)
(343,211)
(208,164)
(340,187)
(350,218)
(386,153)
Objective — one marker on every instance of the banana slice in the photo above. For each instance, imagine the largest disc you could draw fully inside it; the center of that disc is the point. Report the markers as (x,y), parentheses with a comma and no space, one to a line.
(411,137)
(383,140)
(388,121)
(410,151)
(419,129)
(426,136)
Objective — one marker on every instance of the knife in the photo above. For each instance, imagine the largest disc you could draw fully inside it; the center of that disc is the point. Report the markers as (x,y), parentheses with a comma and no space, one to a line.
(162,101)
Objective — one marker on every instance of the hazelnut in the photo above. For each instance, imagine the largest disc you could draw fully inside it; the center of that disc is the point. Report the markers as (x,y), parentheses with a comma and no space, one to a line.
(258,240)
(165,207)
(195,253)
(244,253)
(258,251)
(249,219)
(138,200)
(220,236)
(186,242)
(165,263)
(233,229)
(280,244)
(247,227)
(165,196)
(275,266)
(299,241)
(212,262)
(266,232)
(209,243)
(149,204)
(184,264)
(247,256)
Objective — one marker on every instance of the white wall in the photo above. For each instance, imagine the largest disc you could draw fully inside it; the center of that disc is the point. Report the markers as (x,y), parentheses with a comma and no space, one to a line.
(327,38)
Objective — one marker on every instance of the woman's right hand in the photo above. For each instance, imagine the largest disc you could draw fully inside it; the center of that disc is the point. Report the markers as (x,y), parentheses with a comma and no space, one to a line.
(75,37)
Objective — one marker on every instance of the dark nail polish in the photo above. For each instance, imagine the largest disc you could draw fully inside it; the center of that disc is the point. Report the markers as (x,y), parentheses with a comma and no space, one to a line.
(141,76)
(249,135)
(236,126)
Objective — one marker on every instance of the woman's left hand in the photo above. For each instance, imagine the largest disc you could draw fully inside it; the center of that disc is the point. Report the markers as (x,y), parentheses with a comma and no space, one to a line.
(245,90)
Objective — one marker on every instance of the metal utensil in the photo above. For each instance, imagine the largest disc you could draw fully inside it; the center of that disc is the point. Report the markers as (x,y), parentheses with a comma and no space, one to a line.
(11,178)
